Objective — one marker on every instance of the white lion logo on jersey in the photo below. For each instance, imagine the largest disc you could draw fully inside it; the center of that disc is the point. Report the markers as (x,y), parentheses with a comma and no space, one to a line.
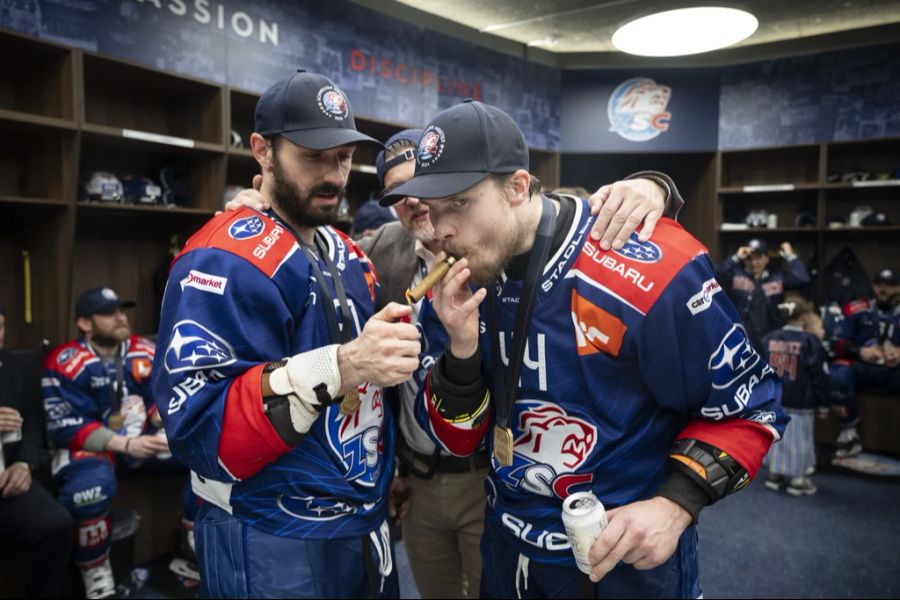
(356,438)
(549,447)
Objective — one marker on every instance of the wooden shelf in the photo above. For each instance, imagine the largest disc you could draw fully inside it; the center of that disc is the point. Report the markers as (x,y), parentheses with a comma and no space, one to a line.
(242,153)
(770,188)
(25,201)
(862,230)
(25,118)
(132,136)
(111,207)
(753,232)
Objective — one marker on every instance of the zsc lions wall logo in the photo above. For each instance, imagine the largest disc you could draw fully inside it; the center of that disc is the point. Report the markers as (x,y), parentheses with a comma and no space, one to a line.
(246,228)
(637,109)
(733,358)
(333,103)
(431,146)
(194,347)
(645,252)
(550,446)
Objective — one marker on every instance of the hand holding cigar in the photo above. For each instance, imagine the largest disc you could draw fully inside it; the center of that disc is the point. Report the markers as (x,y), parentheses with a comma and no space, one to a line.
(436,274)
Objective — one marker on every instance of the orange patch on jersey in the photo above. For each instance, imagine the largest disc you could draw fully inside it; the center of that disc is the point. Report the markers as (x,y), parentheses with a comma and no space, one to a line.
(141,369)
(595,329)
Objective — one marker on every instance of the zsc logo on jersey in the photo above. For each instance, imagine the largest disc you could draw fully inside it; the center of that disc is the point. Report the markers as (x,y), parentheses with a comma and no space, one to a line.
(431,146)
(644,252)
(246,228)
(550,446)
(311,508)
(194,347)
(733,358)
(333,103)
(637,109)
(356,439)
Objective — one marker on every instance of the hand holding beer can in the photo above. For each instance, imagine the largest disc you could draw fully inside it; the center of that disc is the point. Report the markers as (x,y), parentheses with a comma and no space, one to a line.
(584,518)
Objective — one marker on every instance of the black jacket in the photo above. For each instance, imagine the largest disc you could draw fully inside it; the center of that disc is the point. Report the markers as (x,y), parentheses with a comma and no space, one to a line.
(20,388)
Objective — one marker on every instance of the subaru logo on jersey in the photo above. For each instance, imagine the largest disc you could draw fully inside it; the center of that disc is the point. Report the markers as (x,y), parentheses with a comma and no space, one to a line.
(65,356)
(356,439)
(246,228)
(194,347)
(310,508)
(550,446)
(637,109)
(733,358)
(431,146)
(333,103)
(644,252)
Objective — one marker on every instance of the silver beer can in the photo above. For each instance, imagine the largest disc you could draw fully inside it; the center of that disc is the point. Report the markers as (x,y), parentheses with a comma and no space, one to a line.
(584,518)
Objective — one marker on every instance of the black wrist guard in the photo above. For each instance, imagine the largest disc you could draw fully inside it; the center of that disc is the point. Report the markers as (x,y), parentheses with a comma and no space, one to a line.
(713,469)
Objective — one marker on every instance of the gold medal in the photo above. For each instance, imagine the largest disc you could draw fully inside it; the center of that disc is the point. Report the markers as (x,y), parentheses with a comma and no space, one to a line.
(503,445)
(116,422)
(350,403)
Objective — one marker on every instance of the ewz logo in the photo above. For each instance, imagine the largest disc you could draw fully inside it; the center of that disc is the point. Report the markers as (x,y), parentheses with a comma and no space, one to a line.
(550,446)
(637,109)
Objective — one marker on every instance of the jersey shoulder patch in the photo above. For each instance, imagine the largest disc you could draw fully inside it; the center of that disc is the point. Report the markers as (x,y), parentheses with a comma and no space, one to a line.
(252,236)
(855,307)
(69,359)
(138,344)
(637,273)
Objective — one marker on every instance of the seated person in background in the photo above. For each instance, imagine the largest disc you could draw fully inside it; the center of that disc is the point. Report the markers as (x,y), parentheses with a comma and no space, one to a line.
(757,290)
(98,408)
(867,353)
(28,513)
(797,355)
(370,217)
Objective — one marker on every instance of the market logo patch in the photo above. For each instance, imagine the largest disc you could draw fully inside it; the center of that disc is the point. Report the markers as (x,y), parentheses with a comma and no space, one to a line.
(637,109)
(333,103)
(645,252)
(246,228)
(194,347)
(431,146)
(733,359)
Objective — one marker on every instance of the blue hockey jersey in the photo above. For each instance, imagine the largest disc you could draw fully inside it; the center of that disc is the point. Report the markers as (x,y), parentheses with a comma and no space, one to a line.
(241,294)
(627,351)
(79,393)
(865,324)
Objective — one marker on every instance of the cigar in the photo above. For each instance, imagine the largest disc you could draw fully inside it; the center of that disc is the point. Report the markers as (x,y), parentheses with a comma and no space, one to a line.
(436,274)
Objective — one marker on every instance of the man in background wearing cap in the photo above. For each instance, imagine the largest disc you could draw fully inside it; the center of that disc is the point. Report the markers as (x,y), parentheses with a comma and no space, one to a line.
(757,290)
(98,407)
(868,355)
(369,218)
(271,381)
(627,358)
(444,520)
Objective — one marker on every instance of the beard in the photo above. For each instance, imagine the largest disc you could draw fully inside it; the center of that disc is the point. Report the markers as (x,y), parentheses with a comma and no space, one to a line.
(111,338)
(297,206)
(422,230)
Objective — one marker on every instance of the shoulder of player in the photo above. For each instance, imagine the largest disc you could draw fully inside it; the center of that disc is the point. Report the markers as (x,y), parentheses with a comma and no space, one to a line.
(140,346)
(246,234)
(69,359)
(637,274)
(855,307)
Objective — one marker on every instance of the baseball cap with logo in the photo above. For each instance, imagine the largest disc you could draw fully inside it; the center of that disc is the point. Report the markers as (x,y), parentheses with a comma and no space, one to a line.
(758,246)
(460,147)
(382,166)
(99,301)
(887,276)
(310,111)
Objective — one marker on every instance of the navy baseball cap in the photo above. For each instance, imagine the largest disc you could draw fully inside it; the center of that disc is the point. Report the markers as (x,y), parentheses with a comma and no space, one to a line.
(99,301)
(758,246)
(310,111)
(460,147)
(382,166)
(371,216)
(887,276)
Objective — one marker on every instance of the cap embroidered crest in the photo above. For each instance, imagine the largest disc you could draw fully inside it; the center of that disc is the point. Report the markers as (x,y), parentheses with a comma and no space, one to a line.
(431,146)
(108,294)
(333,103)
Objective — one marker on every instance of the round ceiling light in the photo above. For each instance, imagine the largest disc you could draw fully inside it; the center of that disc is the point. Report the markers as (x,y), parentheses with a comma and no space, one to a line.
(685,31)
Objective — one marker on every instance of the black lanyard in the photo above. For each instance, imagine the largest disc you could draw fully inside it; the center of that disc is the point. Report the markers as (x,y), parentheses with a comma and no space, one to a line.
(506,382)
(340,334)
